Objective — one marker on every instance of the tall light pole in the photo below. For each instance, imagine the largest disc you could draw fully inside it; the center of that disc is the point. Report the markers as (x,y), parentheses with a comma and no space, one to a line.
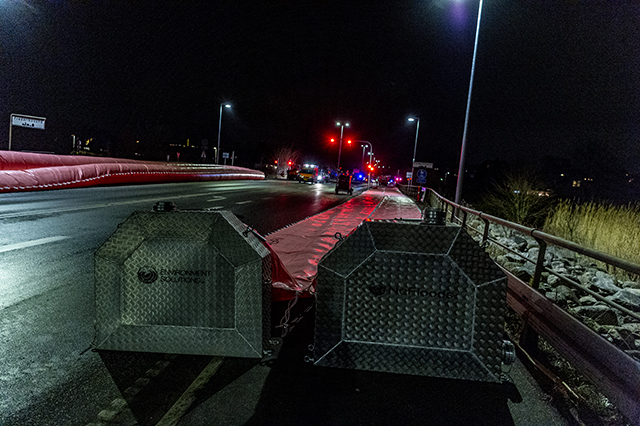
(466,117)
(370,157)
(415,146)
(226,105)
(342,126)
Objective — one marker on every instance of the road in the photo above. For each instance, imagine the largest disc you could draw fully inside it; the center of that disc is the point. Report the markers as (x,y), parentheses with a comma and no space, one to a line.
(47,373)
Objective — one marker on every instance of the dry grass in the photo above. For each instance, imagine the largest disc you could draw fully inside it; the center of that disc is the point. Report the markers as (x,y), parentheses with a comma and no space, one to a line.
(608,228)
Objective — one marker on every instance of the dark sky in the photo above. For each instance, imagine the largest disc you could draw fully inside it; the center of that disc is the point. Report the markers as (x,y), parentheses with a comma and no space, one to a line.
(559,78)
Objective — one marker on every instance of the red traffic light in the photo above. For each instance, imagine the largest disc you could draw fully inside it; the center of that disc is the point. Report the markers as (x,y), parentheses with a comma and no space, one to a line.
(349,141)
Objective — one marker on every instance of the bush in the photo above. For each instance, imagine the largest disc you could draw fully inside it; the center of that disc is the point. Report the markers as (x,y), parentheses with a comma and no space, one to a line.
(518,198)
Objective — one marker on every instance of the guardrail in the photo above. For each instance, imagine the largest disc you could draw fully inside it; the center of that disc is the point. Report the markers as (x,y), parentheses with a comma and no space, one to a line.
(614,372)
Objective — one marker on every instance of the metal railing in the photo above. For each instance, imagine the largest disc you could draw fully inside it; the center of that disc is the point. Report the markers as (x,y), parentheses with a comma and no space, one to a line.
(615,373)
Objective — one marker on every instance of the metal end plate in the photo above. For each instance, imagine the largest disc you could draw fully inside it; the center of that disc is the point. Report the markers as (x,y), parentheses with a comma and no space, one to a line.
(411,299)
(183,282)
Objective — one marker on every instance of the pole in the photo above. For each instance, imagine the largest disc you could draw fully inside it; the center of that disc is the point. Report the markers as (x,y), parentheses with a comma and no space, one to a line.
(219,127)
(466,117)
(340,148)
(415,146)
(10,129)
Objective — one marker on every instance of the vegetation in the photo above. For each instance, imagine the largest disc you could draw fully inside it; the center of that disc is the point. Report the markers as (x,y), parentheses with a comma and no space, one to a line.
(608,228)
(519,198)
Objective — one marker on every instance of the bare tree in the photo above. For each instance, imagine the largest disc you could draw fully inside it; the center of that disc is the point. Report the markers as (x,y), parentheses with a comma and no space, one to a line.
(283,155)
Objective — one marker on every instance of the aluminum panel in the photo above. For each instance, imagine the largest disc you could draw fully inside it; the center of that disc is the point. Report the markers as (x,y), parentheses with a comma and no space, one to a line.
(183,282)
(411,308)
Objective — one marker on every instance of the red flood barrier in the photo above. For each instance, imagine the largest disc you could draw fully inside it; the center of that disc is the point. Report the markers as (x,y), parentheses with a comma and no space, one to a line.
(21,171)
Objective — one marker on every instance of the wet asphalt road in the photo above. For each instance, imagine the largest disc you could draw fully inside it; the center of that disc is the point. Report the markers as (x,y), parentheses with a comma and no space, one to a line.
(48,374)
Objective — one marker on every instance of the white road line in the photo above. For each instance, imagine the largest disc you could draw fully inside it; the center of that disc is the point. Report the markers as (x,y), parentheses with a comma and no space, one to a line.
(215,208)
(173,416)
(31,243)
(98,206)
(244,202)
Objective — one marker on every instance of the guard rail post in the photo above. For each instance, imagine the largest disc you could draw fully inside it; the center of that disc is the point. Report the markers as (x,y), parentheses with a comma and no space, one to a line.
(529,338)
(485,234)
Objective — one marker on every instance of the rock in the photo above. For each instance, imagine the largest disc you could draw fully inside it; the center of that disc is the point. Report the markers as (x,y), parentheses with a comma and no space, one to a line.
(511,266)
(525,272)
(632,328)
(567,256)
(627,337)
(558,266)
(627,297)
(519,243)
(586,278)
(532,254)
(554,280)
(604,283)
(587,300)
(630,284)
(601,314)
(562,295)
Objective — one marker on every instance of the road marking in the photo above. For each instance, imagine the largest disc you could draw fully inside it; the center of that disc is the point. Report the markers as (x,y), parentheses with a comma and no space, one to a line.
(189,396)
(215,208)
(31,243)
(98,206)
(244,202)
(217,198)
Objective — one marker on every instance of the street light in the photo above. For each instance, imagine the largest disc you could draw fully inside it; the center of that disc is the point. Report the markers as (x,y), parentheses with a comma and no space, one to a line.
(370,156)
(226,105)
(342,126)
(466,117)
(415,146)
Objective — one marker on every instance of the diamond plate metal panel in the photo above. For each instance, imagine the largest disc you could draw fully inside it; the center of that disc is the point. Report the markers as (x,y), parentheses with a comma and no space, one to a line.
(183,282)
(411,308)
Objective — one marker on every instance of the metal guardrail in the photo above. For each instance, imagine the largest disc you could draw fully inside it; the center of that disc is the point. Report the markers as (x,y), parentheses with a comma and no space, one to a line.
(613,371)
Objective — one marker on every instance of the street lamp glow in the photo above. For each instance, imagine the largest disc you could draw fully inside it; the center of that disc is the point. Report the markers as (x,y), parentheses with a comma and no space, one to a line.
(226,105)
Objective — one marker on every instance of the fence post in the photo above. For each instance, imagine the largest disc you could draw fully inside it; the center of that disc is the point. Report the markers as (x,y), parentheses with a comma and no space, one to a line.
(485,234)
(535,282)
(529,338)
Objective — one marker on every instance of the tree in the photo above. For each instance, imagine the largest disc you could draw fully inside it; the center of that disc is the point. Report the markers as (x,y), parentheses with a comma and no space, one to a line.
(519,197)
(283,155)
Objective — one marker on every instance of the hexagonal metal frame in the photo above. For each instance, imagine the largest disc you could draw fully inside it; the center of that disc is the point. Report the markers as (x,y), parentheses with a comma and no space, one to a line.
(411,298)
(186,282)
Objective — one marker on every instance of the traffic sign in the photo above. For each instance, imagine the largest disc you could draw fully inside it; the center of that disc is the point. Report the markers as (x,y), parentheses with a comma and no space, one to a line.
(27,121)
(421,176)
(418,164)
(225,155)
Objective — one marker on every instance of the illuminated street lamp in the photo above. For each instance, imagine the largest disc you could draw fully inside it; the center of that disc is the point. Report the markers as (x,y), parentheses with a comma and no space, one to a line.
(415,146)
(466,117)
(342,126)
(226,105)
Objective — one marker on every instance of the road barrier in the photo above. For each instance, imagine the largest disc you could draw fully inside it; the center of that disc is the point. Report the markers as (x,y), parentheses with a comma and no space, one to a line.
(186,282)
(31,172)
(412,298)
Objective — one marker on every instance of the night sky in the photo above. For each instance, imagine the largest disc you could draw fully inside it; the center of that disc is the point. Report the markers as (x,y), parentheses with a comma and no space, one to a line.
(553,78)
